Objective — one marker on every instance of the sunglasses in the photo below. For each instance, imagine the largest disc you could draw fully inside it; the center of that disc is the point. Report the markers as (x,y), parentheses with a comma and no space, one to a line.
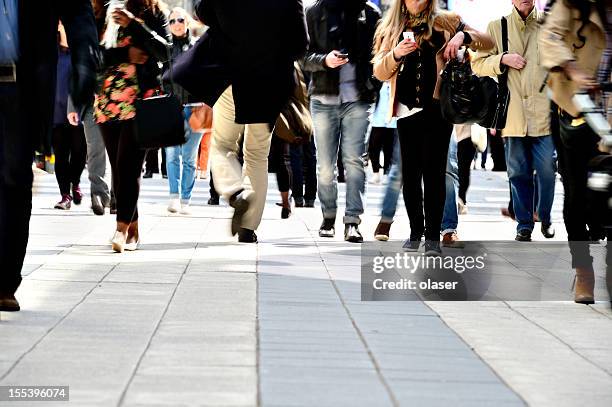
(177,20)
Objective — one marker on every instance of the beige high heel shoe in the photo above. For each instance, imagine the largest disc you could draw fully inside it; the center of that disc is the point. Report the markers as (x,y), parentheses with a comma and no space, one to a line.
(584,284)
(118,242)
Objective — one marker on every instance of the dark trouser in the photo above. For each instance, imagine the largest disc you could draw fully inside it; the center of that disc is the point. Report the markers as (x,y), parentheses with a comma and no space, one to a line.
(465,156)
(381,138)
(304,169)
(70,152)
(280,162)
(424,139)
(152,161)
(578,145)
(497,150)
(16,155)
(213,192)
(126,159)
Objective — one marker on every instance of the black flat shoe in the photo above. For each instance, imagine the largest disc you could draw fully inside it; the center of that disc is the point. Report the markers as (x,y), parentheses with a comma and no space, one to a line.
(8,303)
(413,244)
(309,203)
(299,202)
(213,201)
(240,206)
(432,248)
(247,236)
(97,206)
(285,213)
(523,235)
(548,230)
(352,234)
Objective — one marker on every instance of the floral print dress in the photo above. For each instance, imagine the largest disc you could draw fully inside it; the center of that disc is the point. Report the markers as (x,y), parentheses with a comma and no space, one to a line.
(115,100)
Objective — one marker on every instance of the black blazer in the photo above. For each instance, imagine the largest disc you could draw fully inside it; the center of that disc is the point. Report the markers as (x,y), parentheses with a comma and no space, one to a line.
(250,45)
(37,65)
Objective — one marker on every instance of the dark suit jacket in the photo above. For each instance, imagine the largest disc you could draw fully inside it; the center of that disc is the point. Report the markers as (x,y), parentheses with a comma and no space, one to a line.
(250,45)
(37,65)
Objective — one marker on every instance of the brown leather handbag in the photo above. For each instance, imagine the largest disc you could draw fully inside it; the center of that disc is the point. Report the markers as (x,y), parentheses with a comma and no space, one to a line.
(294,125)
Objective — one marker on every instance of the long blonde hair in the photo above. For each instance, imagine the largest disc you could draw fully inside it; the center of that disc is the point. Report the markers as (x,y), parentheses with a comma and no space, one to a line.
(393,23)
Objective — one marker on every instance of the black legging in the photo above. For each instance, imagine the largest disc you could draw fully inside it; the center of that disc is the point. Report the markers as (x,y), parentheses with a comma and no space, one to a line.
(465,156)
(70,152)
(126,159)
(280,162)
(424,139)
(381,138)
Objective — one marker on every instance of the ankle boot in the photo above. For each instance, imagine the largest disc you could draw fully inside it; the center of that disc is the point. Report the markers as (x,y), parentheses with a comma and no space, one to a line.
(585,284)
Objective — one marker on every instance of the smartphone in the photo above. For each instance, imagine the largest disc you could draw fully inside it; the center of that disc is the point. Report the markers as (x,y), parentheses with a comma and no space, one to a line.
(342,55)
(409,34)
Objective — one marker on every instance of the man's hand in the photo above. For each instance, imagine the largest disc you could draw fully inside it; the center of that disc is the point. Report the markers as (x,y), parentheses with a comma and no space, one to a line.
(404,48)
(73,118)
(122,17)
(514,61)
(332,60)
(137,56)
(453,46)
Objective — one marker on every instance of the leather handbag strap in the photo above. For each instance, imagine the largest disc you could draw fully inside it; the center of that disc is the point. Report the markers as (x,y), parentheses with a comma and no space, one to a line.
(503,78)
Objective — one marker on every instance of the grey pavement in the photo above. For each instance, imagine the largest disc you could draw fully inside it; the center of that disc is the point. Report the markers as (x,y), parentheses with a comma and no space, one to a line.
(195,319)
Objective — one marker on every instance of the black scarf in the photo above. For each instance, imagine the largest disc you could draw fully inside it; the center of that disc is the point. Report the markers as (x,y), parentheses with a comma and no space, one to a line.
(343,22)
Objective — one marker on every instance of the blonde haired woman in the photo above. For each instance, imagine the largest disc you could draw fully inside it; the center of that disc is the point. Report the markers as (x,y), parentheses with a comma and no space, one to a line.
(411,46)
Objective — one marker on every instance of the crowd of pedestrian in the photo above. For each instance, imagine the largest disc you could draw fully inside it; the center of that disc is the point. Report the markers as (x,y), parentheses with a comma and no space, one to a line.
(313,95)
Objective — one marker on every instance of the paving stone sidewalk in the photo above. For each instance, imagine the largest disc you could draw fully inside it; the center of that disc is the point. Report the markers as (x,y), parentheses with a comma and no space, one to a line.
(195,319)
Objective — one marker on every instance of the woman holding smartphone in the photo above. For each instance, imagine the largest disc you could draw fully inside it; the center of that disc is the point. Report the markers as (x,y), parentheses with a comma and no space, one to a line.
(412,67)
(133,44)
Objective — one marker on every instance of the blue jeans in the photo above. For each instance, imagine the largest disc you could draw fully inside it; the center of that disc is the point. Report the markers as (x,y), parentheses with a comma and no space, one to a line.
(451,219)
(523,156)
(394,185)
(187,154)
(334,124)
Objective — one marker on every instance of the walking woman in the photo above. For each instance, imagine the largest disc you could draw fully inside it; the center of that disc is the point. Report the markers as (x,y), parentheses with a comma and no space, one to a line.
(411,45)
(134,44)
(68,139)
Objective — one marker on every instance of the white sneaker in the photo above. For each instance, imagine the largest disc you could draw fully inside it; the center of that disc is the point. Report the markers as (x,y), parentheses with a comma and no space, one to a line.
(185,209)
(174,206)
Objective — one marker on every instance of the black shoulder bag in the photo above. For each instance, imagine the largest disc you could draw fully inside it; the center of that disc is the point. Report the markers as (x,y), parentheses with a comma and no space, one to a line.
(498,109)
(159,120)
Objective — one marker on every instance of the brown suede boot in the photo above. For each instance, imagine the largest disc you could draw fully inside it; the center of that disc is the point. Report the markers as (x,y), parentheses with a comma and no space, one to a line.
(585,284)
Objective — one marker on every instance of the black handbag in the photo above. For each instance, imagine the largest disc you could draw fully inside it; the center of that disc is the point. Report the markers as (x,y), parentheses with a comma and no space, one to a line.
(498,107)
(159,120)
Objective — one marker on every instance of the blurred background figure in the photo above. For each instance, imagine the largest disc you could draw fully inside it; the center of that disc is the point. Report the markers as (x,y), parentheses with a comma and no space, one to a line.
(134,45)
(181,160)
(68,138)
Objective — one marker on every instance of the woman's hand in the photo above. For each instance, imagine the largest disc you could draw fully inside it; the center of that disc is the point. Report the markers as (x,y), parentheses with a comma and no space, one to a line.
(122,17)
(581,78)
(404,48)
(137,56)
(453,46)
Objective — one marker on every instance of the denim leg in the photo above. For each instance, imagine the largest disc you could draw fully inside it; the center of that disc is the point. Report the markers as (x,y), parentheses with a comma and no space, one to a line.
(310,171)
(450,220)
(543,149)
(189,153)
(394,186)
(326,122)
(520,173)
(354,127)
(173,167)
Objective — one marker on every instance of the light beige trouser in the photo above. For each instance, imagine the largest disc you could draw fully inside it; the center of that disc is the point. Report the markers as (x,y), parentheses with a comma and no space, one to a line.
(229,176)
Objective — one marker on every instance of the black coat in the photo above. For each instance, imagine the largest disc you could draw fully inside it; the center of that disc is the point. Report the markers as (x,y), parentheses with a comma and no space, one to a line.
(325,81)
(250,45)
(37,65)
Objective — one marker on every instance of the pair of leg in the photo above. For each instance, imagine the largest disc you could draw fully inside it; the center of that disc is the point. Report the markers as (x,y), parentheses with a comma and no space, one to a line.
(497,151)
(450,221)
(230,176)
(70,151)
(465,156)
(152,162)
(381,139)
(304,170)
(424,140)
(16,154)
(96,158)
(524,155)
(204,151)
(342,125)
(185,154)
(126,158)
(280,163)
